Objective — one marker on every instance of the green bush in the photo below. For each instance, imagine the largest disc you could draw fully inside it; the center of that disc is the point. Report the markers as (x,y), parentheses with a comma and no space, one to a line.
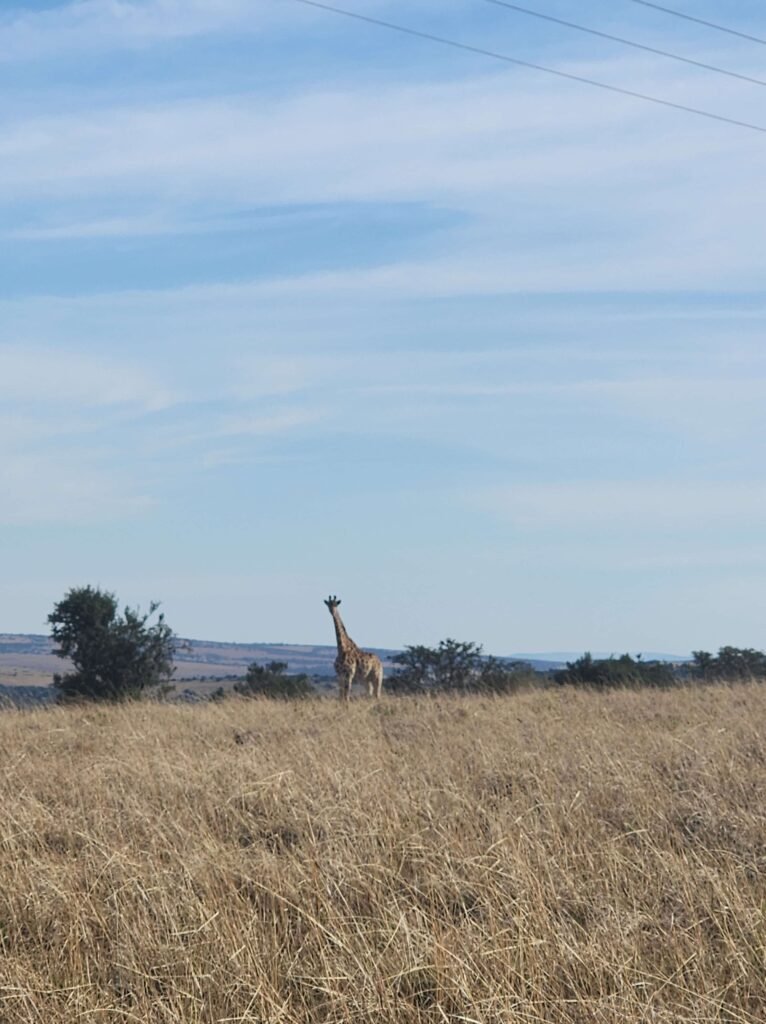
(272,681)
(456,665)
(603,673)
(730,663)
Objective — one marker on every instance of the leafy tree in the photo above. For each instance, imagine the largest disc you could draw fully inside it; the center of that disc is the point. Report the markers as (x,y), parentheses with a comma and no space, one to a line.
(703,665)
(271,680)
(730,663)
(740,663)
(455,665)
(452,665)
(115,657)
(497,676)
(604,673)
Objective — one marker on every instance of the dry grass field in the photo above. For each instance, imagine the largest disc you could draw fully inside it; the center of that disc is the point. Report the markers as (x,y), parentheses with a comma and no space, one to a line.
(555,856)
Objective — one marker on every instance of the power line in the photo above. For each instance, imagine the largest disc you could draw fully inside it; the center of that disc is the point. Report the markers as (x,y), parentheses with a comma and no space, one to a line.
(700,21)
(626,42)
(528,64)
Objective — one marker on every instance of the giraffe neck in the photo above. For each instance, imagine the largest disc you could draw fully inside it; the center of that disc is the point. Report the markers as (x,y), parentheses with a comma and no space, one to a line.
(344,641)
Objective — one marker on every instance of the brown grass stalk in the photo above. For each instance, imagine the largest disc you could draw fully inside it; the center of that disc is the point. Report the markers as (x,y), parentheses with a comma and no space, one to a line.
(557,856)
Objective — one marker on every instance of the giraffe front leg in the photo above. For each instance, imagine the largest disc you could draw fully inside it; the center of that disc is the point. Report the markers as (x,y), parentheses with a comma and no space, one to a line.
(344,687)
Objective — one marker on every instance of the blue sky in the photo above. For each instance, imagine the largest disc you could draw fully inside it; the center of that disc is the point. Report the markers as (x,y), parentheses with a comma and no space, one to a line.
(292,305)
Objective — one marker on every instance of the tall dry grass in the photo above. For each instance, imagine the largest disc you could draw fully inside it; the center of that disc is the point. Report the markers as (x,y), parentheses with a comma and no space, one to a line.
(556,856)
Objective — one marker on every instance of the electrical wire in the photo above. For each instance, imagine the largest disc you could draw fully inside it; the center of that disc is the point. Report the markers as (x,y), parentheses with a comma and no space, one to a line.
(626,42)
(444,41)
(700,21)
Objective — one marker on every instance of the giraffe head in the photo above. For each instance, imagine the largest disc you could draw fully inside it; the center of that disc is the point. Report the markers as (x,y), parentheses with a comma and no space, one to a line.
(332,602)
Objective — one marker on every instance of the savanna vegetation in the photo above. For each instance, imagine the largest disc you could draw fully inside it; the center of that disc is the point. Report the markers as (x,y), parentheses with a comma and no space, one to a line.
(590,850)
(565,855)
(122,657)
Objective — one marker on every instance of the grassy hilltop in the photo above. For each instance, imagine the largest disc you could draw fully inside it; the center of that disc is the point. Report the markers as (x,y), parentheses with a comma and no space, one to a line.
(558,856)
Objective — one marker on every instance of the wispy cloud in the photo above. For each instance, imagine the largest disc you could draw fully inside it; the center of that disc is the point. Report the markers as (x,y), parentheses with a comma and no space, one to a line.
(254,425)
(627,506)
(70,417)
(481,133)
(51,376)
(72,487)
(513,152)
(201,428)
(86,25)
(101,228)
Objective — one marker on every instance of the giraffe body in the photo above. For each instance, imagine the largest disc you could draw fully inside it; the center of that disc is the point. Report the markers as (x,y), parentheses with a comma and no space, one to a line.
(352,664)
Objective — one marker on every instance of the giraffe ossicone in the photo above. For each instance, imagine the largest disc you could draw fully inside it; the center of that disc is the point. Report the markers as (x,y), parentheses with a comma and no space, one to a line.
(352,663)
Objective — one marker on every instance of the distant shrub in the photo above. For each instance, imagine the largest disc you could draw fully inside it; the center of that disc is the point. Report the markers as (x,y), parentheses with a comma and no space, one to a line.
(457,666)
(271,680)
(604,673)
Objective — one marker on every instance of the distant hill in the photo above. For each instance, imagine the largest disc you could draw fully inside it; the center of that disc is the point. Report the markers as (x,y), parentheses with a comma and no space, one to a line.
(27,661)
(196,658)
(24,643)
(28,658)
(557,659)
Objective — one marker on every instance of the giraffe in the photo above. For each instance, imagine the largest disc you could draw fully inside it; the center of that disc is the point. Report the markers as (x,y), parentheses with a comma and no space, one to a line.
(352,662)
